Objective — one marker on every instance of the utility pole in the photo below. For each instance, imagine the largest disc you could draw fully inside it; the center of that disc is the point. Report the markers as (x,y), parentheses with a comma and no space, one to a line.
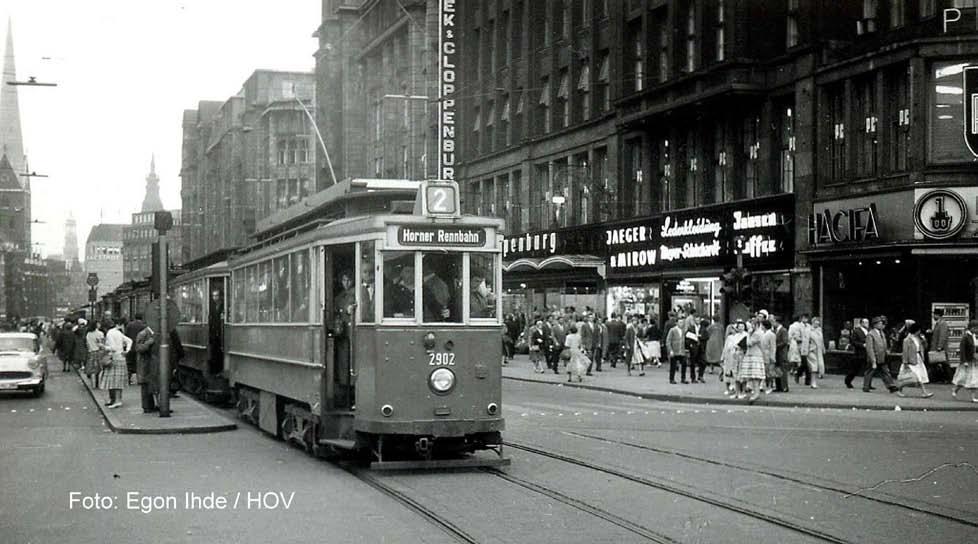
(163,221)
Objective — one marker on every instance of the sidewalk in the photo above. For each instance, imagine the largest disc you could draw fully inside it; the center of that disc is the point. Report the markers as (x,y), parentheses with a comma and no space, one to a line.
(187,415)
(831,392)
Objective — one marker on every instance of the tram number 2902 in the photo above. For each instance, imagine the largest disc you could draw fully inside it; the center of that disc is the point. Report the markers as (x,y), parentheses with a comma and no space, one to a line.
(441,359)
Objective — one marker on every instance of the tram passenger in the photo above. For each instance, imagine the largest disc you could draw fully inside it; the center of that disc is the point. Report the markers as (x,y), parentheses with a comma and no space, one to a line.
(343,308)
(399,294)
(479,298)
(436,297)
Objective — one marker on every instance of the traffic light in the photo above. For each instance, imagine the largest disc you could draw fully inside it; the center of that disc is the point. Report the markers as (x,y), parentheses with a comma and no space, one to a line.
(746,287)
(729,284)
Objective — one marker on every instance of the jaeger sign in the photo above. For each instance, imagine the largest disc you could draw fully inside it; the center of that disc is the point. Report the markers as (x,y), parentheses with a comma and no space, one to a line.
(704,237)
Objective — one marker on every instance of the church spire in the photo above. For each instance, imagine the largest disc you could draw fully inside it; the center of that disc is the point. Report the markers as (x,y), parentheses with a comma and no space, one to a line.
(11,138)
(152,202)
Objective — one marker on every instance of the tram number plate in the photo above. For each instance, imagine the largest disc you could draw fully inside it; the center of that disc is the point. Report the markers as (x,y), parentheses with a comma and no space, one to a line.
(441,359)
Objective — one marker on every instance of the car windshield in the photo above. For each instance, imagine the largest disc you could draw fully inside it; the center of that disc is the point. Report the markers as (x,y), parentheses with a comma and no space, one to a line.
(16,344)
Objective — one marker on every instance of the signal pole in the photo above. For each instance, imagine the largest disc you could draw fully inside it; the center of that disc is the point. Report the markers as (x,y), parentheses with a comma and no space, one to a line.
(163,221)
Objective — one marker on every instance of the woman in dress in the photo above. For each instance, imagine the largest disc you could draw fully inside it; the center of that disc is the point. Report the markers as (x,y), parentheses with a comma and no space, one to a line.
(751,370)
(578,363)
(913,371)
(967,374)
(816,351)
(732,355)
(537,347)
(116,376)
(95,342)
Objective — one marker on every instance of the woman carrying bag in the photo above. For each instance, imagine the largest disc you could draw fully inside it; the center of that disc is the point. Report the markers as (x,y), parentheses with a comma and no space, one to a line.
(116,375)
(913,372)
(95,343)
(966,375)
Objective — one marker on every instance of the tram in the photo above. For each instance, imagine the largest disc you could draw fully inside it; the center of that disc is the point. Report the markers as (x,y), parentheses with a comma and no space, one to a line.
(201,296)
(376,333)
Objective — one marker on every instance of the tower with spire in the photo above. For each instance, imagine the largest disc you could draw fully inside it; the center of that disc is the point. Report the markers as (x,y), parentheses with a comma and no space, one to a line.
(11,138)
(152,202)
(71,240)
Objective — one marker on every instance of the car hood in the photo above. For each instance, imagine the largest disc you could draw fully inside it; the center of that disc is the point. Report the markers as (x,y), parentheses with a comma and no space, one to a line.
(15,360)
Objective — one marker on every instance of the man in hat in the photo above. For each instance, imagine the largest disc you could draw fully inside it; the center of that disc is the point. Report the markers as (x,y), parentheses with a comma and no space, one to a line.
(876,364)
(859,335)
(939,342)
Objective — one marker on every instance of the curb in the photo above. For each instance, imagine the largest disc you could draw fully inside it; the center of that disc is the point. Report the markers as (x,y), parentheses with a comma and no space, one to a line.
(689,399)
(113,424)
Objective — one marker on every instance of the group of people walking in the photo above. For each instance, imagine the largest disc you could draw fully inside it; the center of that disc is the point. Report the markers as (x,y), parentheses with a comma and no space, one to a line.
(113,351)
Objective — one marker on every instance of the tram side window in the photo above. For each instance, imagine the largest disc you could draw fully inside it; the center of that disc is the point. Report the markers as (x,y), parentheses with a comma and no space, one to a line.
(441,292)
(251,308)
(282,290)
(368,287)
(399,284)
(300,286)
(265,296)
(238,300)
(482,298)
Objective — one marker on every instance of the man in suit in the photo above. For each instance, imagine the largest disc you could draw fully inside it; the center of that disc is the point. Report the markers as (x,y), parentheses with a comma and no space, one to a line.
(876,358)
(781,341)
(939,340)
(616,332)
(600,342)
(586,328)
(859,346)
(676,342)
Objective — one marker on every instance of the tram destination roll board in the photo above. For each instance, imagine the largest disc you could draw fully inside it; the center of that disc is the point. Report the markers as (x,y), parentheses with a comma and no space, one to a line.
(427,235)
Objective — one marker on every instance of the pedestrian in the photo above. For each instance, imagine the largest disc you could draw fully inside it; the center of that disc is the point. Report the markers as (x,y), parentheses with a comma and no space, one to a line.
(676,346)
(876,364)
(116,376)
(858,340)
(65,345)
(769,348)
(816,353)
(751,370)
(616,333)
(95,344)
(713,353)
(147,368)
(537,347)
(913,372)
(599,343)
(734,347)
(586,329)
(800,335)
(653,343)
(691,341)
(781,345)
(558,335)
(132,329)
(578,362)
(967,374)
(937,355)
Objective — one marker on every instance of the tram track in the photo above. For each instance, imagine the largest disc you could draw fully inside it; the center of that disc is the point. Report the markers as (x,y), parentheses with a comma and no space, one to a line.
(845,493)
(567,500)
(687,493)
(431,516)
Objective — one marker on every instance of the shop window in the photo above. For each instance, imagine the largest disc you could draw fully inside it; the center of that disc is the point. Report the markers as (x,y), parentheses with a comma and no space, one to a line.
(947,114)
(441,293)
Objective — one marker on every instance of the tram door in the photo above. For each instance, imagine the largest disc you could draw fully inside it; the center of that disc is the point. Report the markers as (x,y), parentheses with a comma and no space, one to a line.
(215,326)
(339,277)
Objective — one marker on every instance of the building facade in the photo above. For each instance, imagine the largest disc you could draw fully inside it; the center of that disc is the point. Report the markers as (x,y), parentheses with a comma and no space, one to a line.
(137,245)
(245,158)
(103,255)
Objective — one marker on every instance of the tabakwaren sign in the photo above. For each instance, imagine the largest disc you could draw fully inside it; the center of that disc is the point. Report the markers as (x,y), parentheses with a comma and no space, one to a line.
(702,237)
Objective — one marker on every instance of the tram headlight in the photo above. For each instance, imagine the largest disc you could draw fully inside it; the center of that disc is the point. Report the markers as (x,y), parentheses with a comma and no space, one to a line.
(442,380)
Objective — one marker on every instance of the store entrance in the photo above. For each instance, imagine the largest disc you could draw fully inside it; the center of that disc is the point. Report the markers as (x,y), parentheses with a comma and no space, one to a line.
(700,294)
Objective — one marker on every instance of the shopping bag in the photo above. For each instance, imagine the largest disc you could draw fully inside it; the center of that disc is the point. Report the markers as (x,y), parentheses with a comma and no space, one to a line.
(937,357)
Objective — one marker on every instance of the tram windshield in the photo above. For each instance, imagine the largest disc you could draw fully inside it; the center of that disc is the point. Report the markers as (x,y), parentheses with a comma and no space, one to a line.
(443,284)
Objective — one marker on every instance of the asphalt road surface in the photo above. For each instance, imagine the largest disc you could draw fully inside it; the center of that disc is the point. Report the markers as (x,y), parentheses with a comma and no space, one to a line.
(587,467)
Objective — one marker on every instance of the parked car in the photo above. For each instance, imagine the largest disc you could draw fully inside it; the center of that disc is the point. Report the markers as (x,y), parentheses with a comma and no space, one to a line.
(21,367)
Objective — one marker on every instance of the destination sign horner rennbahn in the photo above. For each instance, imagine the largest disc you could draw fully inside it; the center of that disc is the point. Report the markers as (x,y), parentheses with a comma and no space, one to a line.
(441,236)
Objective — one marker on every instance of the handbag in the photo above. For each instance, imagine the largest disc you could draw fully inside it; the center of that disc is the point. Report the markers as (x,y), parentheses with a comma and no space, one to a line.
(104,359)
(565,355)
(937,356)
(906,374)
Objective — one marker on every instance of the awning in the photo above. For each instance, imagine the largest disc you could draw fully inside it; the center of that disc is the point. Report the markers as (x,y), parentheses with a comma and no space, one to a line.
(556,262)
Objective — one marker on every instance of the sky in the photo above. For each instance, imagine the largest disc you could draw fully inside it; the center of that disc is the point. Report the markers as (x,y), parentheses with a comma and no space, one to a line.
(125,72)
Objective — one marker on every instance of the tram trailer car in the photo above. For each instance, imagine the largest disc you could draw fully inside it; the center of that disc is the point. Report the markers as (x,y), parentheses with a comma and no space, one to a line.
(201,297)
(330,343)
